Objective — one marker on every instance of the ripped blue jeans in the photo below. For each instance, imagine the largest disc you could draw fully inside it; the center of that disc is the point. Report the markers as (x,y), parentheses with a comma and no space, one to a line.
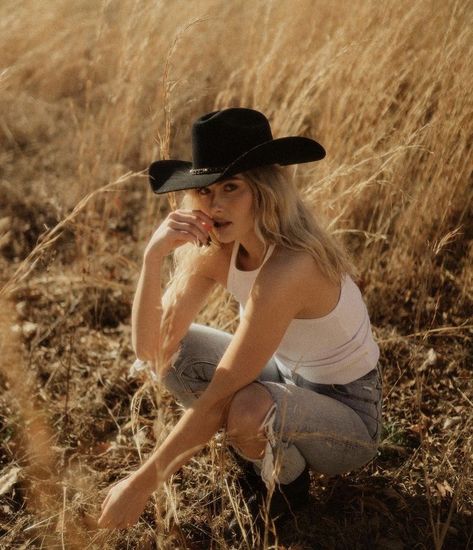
(333,428)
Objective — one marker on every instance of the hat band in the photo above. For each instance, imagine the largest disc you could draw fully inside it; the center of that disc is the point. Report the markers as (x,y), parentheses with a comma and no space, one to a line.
(199,171)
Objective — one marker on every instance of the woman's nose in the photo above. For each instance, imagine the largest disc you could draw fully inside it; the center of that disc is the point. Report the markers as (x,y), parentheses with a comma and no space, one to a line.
(216,203)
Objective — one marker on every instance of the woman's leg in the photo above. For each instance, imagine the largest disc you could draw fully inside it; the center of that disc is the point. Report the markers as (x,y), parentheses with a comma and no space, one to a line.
(334,428)
(199,354)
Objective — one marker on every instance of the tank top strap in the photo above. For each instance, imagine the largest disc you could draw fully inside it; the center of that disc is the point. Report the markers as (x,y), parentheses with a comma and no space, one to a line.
(238,279)
(268,253)
(236,246)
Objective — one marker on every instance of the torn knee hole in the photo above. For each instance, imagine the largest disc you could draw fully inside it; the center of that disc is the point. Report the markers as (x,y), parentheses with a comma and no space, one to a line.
(268,467)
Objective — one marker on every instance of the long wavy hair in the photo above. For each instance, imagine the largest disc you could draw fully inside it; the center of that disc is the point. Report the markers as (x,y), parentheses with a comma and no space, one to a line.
(281,218)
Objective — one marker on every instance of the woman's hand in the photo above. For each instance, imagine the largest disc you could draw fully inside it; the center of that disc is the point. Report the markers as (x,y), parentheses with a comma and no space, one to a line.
(178,228)
(124,503)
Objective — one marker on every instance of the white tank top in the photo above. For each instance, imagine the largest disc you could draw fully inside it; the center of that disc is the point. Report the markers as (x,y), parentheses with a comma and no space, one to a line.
(335,349)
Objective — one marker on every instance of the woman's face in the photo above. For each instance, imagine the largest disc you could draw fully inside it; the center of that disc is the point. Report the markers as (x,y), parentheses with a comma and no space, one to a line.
(230,204)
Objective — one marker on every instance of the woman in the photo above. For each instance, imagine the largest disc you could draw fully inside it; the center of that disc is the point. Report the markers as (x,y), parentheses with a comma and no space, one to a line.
(298,385)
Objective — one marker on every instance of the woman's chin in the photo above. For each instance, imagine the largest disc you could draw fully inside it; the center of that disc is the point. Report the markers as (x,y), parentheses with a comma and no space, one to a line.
(225,239)
(224,236)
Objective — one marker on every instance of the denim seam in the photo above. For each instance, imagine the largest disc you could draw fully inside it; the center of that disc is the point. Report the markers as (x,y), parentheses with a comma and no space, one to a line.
(328,437)
(180,368)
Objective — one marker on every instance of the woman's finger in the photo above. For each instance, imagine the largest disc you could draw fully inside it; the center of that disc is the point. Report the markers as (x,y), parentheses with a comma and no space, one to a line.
(197,217)
(204,217)
(194,230)
(186,237)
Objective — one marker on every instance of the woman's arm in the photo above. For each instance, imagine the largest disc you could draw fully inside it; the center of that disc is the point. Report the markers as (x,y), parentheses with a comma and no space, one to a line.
(269,311)
(177,229)
(147,309)
(149,336)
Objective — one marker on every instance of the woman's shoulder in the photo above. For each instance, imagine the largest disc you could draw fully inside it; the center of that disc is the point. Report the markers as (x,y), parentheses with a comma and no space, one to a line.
(285,262)
(297,272)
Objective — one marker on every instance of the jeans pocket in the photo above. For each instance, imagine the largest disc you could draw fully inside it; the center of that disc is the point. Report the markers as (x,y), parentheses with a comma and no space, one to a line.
(379,423)
(339,389)
(364,396)
(362,390)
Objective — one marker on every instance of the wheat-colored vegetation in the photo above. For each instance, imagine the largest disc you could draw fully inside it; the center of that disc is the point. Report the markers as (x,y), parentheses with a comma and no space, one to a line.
(90,93)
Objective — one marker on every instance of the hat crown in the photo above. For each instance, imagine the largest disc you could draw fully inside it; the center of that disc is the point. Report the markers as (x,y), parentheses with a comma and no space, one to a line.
(220,137)
(229,142)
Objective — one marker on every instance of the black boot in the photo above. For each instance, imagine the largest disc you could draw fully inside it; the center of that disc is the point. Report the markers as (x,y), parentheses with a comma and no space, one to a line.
(284,501)
(288,498)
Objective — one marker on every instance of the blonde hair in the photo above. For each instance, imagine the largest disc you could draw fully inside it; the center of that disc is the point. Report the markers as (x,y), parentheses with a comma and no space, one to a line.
(282,218)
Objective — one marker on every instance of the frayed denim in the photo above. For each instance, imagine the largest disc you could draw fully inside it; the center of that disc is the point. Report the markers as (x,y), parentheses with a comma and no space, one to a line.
(334,428)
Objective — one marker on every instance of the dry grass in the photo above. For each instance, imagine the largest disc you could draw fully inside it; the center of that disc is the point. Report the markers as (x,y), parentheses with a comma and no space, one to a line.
(90,93)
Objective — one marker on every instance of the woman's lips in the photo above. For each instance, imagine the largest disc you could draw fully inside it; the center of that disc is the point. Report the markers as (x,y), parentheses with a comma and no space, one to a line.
(221,224)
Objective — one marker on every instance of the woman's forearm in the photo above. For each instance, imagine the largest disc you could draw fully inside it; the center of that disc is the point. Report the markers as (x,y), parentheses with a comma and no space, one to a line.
(147,309)
(179,227)
(194,429)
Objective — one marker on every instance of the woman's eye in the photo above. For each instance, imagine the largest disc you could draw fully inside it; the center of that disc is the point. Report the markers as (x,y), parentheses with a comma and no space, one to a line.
(230,187)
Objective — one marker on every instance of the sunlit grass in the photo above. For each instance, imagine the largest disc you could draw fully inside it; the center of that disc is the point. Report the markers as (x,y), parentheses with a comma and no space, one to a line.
(90,93)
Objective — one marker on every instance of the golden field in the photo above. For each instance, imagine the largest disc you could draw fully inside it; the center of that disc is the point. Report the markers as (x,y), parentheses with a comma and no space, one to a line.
(90,94)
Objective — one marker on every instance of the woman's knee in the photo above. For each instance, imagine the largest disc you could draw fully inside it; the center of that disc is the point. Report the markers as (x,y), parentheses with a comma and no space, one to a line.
(193,364)
(247,412)
(200,345)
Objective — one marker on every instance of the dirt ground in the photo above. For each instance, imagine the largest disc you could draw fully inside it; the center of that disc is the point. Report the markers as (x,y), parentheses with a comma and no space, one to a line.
(69,404)
(90,93)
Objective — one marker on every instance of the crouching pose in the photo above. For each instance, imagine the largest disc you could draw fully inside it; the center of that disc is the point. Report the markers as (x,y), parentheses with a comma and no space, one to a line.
(298,386)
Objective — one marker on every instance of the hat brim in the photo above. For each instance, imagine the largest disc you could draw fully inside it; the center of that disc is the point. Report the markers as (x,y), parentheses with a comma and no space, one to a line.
(166,176)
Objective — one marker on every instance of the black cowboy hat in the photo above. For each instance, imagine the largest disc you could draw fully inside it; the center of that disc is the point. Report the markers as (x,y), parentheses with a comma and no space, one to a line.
(225,143)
